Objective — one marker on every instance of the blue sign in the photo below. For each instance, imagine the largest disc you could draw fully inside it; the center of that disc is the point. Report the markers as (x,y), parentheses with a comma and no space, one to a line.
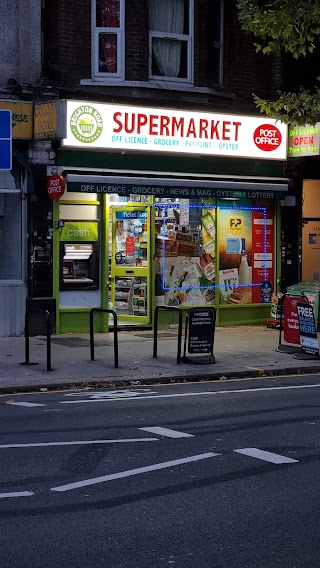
(308,330)
(139,215)
(5,140)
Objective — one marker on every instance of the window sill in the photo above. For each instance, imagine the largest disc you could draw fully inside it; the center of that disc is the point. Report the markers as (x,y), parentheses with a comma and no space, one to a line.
(12,283)
(166,86)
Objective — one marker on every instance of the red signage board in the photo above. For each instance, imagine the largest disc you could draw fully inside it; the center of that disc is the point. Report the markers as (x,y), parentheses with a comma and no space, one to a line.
(291,332)
(130,245)
(56,186)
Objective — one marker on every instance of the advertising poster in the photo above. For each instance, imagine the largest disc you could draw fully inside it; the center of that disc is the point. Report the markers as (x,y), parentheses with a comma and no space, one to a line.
(307,327)
(291,332)
(262,246)
(235,255)
(246,251)
(184,277)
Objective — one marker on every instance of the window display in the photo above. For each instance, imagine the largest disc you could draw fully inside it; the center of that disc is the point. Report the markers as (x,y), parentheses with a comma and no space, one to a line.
(204,247)
(246,251)
(185,269)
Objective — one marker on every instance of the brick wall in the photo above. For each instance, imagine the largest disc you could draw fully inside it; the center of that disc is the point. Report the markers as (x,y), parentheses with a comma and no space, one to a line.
(68,50)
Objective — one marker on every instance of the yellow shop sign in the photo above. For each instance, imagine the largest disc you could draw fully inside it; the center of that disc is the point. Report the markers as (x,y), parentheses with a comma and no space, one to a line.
(48,119)
(21,118)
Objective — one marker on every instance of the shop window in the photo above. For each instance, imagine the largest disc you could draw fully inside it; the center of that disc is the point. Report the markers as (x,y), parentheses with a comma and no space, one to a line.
(171,39)
(108,38)
(215,45)
(214,252)
(11,236)
(246,251)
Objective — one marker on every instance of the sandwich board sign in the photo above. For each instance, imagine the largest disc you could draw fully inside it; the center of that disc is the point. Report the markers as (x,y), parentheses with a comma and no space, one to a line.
(308,332)
(199,335)
(5,140)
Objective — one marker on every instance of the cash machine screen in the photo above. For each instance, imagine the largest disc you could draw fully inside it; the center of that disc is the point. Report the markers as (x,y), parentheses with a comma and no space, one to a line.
(78,268)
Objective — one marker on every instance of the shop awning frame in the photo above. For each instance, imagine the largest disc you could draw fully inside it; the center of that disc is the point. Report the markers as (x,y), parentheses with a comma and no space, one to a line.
(242,184)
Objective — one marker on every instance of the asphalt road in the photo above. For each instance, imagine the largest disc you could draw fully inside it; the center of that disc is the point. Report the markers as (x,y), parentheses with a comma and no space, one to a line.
(217,475)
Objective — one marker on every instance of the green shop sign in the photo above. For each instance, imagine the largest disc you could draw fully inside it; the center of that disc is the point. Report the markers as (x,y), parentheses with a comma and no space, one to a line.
(304,141)
(79,231)
(172,191)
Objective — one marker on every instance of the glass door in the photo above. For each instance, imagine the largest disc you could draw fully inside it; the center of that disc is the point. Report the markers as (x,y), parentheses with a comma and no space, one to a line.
(130,263)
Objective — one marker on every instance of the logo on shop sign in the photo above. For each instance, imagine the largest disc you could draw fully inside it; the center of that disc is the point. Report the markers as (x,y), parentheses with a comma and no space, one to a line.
(86,124)
(267,137)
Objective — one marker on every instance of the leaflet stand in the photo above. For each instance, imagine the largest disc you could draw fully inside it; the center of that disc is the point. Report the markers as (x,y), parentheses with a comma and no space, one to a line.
(199,335)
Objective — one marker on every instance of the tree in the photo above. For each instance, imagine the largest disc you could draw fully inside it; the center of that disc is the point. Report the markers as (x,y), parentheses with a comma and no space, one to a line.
(291,27)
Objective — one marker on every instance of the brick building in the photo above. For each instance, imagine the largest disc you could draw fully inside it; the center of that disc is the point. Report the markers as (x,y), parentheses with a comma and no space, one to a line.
(184,67)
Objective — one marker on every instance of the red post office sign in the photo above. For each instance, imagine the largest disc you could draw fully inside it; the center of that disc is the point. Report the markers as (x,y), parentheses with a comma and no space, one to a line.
(56,186)
(291,332)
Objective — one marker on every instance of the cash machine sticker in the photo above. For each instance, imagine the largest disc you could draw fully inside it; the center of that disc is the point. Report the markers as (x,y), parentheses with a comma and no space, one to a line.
(79,231)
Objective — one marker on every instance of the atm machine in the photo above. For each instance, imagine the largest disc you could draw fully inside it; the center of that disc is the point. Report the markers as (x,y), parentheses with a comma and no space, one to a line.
(79,266)
(79,256)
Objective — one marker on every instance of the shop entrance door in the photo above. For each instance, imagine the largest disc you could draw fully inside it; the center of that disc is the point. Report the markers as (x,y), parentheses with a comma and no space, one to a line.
(310,249)
(130,264)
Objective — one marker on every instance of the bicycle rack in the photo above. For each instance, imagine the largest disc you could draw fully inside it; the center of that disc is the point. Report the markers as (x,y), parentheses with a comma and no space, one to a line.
(155,334)
(115,333)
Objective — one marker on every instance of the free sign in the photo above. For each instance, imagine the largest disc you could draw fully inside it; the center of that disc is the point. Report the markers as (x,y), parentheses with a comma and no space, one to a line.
(56,186)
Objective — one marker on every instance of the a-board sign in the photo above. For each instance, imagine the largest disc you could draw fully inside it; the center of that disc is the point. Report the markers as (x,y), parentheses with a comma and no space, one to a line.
(201,331)
(291,333)
(308,331)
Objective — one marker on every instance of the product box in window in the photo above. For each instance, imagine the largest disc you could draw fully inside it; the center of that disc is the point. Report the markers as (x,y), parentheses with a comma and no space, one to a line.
(165,246)
(275,307)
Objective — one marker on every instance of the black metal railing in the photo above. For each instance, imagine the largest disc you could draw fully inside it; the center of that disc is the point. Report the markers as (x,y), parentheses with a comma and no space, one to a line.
(115,333)
(27,336)
(155,333)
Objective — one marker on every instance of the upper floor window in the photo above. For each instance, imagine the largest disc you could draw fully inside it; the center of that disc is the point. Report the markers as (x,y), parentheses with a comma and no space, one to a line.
(108,38)
(171,40)
(215,47)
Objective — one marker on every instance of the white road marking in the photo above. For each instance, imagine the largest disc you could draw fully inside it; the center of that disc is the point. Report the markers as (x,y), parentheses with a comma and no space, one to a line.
(261,389)
(167,432)
(123,393)
(16,494)
(131,472)
(77,443)
(26,404)
(265,456)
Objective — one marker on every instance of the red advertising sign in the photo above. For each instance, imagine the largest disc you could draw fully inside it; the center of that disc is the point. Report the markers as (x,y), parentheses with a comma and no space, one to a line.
(56,186)
(291,332)
(130,245)
(262,245)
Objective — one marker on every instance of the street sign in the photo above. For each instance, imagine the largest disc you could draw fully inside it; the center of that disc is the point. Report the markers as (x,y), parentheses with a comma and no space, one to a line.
(5,140)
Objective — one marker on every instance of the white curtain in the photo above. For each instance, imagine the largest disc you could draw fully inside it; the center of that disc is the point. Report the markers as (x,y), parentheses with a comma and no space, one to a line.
(167,16)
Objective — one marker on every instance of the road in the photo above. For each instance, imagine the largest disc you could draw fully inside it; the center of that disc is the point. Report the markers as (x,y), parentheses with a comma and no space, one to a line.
(217,475)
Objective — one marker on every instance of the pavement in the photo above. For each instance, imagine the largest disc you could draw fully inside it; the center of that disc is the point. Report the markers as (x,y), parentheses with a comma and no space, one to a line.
(240,352)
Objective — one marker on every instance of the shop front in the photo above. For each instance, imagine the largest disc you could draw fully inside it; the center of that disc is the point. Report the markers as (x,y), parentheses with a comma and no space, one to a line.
(192,222)
(15,184)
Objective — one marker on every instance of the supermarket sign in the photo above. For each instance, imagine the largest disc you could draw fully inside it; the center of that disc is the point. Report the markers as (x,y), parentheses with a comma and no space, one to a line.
(122,127)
